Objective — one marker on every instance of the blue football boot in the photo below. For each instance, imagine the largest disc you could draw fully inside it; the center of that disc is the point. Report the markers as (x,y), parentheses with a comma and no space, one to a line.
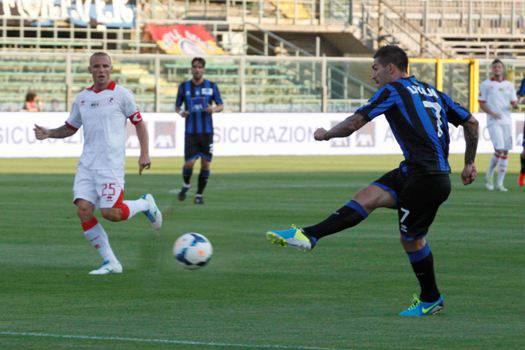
(422,308)
(293,237)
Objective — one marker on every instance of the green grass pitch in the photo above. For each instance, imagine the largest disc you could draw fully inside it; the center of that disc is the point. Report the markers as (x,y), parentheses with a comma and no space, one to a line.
(344,295)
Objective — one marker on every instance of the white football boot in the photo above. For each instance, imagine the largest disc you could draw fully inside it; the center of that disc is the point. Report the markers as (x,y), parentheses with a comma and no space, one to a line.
(501,188)
(153,213)
(489,183)
(107,268)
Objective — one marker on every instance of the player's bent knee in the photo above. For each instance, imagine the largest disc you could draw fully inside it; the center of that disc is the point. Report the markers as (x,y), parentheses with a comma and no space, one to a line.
(412,245)
(111,214)
(85,210)
(85,214)
(373,197)
(189,164)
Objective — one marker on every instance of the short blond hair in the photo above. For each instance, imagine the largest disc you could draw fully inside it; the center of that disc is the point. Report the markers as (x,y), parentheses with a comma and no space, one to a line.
(99,53)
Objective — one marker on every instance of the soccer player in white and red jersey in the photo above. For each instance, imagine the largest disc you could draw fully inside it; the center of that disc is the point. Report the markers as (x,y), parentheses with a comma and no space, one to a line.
(496,96)
(103,110)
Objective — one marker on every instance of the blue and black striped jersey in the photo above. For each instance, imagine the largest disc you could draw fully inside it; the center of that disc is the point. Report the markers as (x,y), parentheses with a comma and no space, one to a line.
(521,91)
(418,115)
(196,99)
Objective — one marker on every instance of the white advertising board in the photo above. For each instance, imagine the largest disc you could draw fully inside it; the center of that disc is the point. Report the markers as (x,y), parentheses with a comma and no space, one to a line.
(235,134)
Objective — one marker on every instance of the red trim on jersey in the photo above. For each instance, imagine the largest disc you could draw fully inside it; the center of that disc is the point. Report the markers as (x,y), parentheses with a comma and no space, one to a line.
(88,225)
(69,126)
(503,157)
(111,86)
(119,204)
(499,81)
(135,118)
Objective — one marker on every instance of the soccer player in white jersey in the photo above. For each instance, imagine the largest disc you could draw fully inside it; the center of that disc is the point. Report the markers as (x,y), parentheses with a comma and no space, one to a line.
(496,96)
(103,110)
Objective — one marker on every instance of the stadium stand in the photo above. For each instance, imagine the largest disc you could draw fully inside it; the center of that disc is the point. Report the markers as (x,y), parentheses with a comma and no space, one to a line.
(280,55)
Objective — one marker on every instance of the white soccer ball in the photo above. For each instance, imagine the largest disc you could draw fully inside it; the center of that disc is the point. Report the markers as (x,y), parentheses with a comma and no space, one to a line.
(192,250)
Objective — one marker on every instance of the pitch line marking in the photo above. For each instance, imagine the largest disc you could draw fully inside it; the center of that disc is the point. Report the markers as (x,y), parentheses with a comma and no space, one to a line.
(161,341)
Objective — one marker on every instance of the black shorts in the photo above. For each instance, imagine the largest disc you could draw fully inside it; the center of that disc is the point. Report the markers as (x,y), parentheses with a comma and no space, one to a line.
(418,199)
(198,145)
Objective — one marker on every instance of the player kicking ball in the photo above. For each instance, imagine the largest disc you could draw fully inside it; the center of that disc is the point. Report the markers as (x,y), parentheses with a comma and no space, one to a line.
(418,115)
(103,110)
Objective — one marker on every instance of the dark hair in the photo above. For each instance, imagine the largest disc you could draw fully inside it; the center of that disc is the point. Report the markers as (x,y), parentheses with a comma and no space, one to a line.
(392,54)
(496,61)
(199,60)
(30,96)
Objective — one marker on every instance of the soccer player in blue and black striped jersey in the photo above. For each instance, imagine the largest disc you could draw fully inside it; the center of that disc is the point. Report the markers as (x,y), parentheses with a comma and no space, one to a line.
(418,115)
(197,95)
(521,179)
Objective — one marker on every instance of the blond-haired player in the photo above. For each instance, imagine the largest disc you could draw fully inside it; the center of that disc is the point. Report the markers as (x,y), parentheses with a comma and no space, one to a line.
(103,110)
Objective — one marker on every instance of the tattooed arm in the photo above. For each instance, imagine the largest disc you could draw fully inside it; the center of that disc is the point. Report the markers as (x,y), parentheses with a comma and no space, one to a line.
(42,133)
(345,128)
(470,128)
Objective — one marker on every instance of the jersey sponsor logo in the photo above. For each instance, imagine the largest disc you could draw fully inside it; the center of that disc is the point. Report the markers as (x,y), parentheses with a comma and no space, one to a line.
(416,89)
(207,91)
(104,102)
(198,104)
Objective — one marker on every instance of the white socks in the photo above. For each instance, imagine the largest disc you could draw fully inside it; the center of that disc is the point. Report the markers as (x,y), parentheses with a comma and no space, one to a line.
(502,169)
(492,165)
(136,206)
(97,236)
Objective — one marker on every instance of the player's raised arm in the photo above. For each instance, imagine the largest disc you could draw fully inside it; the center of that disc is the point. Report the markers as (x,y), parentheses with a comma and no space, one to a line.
(471,131)
(345,128)
(64,131)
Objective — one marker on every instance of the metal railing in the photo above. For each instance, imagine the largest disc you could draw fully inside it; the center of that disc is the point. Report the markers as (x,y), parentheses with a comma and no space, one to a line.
(247,83)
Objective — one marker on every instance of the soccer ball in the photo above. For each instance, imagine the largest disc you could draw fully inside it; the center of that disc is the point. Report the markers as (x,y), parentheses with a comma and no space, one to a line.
(192,250)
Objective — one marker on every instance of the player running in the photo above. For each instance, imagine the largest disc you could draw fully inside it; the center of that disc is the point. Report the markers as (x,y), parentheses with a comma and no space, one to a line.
(418,115)
(496,96)
(102,110)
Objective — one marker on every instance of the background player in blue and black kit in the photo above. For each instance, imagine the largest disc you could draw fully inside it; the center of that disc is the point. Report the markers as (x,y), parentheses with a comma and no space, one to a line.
(418,115)
(197,95)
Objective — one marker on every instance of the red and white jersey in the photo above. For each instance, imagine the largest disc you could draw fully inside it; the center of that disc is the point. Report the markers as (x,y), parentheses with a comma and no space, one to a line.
(103,115)
(498,96)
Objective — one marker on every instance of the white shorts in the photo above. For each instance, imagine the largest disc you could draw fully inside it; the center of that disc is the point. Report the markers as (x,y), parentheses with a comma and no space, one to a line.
(501,136)
(103,188)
